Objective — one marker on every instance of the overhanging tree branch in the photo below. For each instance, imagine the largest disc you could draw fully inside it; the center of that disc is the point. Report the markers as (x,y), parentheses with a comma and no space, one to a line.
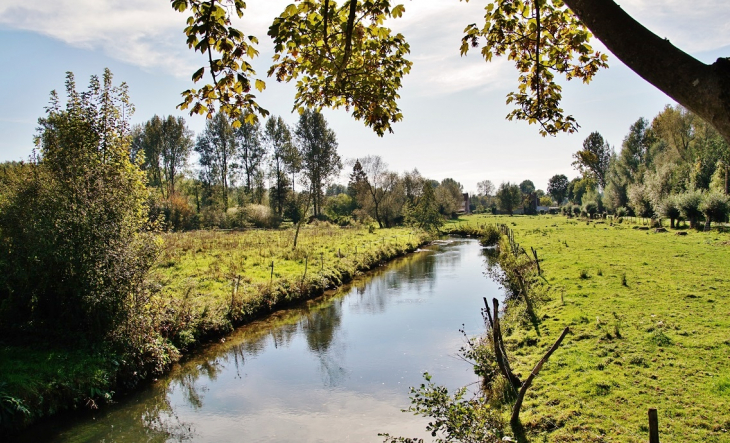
(703,89)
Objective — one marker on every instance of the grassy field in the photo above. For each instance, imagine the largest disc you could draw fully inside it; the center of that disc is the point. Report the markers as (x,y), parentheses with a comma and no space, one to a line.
(203,284)
(217,276)
(650,327)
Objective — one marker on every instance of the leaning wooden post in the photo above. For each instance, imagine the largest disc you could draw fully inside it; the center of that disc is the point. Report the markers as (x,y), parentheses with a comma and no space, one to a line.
(234,291)
(526,385)
(653,426)
(500,351)
(489,312)
(306,263)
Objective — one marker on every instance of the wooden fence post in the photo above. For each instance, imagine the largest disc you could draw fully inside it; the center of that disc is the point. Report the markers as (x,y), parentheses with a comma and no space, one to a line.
(653,426)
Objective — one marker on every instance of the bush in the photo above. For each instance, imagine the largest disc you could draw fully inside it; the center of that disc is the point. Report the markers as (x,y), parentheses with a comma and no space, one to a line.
(261,216)
(669,208)
(490,235)
(689,206)
(639,200)
(212,217)
(173,213)
(590,208)
(73,247)
(622,212)
(576,210)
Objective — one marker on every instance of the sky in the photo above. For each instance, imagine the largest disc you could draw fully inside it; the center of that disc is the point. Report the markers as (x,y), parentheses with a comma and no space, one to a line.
(454,107)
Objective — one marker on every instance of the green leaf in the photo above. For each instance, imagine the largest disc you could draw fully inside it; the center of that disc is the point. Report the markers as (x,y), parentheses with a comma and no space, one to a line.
(397,11)
(198,74)
(260,85)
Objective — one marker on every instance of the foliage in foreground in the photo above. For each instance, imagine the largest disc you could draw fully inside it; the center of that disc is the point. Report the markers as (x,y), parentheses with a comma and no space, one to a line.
(71,223)
(454,417)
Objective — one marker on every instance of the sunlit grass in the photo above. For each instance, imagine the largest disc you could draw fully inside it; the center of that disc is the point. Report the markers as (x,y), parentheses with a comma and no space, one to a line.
(650,320)
(208,265)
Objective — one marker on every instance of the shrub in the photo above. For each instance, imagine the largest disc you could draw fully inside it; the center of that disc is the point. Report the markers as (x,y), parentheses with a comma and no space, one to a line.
(590,208)
(689,206)
(212,217)
(714,206)
(260,216)
(621,212)
(669,208)
(639,200)
(72,224)
(576,210)
(174,213)
(490,235)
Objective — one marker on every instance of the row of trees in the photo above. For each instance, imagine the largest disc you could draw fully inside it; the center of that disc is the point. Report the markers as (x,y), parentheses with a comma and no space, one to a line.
(676,165)
(290,172)
(237,159)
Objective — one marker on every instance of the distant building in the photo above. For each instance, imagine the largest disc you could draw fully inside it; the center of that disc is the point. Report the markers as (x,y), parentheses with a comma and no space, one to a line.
(465,204)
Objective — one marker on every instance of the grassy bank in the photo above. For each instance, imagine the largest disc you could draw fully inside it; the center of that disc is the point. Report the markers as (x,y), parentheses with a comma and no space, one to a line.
(650,327)
(203,284)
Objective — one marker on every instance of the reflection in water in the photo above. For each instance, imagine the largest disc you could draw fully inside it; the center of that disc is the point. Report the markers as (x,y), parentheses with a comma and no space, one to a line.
(320,326)
(332,369)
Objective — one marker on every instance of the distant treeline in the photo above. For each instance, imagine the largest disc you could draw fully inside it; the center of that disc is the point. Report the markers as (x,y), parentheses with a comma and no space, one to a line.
(675,166)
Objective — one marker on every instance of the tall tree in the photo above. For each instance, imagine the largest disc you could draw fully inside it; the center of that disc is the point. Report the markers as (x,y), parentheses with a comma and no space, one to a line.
(357,180)
(413,186)
(176,147)
(147,140)
(283,153)
(426,214)
(216,146)
(251,155)
(486,188)
(527,187)
(594,158)
(318,147)
(165,143)
(558,187)
(578,187)
(509,196)
(449,197)
(376,186)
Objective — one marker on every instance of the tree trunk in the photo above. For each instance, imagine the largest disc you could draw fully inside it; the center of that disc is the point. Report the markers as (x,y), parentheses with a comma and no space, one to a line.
(703,89)
(301,220)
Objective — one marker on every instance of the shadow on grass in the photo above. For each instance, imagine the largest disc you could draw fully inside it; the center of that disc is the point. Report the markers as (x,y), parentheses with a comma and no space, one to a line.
(519,432)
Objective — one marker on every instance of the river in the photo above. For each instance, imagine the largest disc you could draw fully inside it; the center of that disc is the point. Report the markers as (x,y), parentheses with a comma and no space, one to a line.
(334,369)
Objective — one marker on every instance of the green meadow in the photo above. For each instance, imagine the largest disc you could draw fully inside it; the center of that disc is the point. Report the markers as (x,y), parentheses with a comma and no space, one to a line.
(649,314)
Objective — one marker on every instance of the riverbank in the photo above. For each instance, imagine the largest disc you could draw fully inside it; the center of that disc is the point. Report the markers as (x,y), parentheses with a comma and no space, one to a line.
(204,284)
(648,314)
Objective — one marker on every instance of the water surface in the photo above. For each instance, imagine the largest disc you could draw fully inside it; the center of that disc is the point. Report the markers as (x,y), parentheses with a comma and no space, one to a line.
(334,369)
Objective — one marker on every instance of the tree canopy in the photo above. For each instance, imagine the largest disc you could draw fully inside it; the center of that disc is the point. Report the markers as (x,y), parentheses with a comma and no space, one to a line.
(594,158)
(344,56)
(558,187)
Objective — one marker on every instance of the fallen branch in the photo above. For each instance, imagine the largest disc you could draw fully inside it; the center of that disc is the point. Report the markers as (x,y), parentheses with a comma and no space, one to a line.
(526,385)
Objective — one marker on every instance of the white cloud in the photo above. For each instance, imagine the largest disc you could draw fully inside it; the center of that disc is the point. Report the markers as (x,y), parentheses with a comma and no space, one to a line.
(149,33)
(142,33)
